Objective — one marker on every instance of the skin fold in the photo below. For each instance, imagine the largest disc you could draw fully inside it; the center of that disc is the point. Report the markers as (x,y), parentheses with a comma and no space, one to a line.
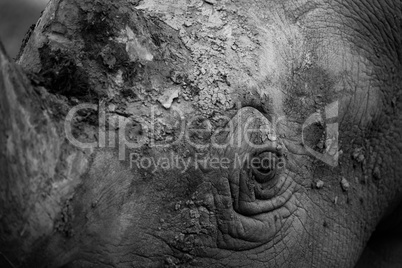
(101,89)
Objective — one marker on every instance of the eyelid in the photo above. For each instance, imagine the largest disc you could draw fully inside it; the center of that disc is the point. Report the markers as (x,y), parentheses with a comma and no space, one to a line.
(273,147)
(263,177)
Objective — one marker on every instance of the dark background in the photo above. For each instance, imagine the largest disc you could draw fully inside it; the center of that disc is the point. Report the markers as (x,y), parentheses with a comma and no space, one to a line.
(16,16)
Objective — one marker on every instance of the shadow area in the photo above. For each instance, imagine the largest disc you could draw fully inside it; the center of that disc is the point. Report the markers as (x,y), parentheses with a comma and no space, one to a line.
(16,17)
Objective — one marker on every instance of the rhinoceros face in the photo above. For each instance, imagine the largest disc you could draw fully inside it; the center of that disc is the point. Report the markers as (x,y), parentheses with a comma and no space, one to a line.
(219,134)
(241,193)
(244,194)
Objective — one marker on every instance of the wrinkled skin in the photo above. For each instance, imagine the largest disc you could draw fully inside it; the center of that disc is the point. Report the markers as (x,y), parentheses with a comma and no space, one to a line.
(278,59)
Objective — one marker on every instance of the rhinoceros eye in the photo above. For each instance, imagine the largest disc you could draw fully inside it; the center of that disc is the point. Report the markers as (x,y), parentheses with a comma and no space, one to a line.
(264,166)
